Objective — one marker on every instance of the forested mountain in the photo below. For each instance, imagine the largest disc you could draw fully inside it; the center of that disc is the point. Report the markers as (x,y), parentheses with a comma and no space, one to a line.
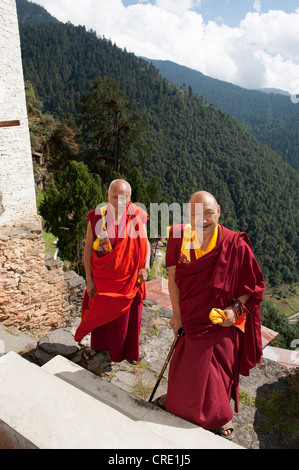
(31,13)
(197,146)
(272,117)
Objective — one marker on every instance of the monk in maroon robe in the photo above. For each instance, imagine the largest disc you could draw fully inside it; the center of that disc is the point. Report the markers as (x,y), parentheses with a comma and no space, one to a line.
(116,260)
(221,272)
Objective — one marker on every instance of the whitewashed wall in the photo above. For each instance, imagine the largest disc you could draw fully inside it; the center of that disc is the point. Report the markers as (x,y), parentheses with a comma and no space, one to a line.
(16,169)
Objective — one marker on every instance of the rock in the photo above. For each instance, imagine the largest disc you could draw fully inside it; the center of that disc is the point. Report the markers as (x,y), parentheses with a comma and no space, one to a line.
(52,263)
(124,380)
(33,292)
(59,342)
(149,316)
(268,372)
(165,312)
(156,349)
(13,340)
(149,303)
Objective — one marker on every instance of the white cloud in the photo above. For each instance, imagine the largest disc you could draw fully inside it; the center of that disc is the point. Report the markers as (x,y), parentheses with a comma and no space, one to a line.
(257,6)
(177,6)
(261,52)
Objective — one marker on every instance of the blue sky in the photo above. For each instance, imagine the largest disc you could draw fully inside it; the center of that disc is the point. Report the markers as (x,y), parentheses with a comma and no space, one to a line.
(251,43)
(231,12)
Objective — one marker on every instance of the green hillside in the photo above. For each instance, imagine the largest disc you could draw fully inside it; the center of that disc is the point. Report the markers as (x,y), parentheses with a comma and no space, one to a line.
(197,146)
(273,118)
(31,13)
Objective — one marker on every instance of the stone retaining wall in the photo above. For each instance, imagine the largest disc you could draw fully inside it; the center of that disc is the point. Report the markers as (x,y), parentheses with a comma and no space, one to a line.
(35,293)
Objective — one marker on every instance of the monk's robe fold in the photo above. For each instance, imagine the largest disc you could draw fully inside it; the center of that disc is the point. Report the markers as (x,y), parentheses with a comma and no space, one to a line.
(115,277)
(204,371)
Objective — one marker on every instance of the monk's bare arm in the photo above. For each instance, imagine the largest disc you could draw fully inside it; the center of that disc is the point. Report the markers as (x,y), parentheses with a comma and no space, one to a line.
(142,275)
(230,314)
(90,285)
(174,292)
(148,256)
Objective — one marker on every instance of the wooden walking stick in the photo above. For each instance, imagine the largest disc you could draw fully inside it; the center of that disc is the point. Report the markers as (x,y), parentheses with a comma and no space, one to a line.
(180,332)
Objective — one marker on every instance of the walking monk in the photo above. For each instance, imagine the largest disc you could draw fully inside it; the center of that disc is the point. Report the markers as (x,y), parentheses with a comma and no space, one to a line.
(211,267)
(116,261)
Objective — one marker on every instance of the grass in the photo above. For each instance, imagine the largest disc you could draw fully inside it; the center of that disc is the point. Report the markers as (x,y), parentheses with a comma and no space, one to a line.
(280,410)
(159,269)
(49,238)
(142,390)
(285,297)
(247,399)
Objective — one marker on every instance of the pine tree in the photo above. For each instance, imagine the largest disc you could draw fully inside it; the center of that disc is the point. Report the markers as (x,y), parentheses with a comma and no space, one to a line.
(67,201)
(111,132)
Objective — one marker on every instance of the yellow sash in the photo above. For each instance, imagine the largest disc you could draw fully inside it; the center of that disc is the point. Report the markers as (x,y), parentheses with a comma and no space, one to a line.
(99,240)
(190,236)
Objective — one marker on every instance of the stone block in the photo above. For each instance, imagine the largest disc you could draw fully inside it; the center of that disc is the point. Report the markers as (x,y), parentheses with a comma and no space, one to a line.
(181,433)
(50,413)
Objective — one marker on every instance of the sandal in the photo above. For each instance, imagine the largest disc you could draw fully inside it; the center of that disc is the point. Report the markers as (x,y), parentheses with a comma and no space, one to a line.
(227,431)
(88,353)
(160,402)
(134,363)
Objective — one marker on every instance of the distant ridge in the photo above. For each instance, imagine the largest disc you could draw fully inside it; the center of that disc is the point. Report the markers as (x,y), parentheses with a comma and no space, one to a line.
(269,114)
(275,91)
(31,13)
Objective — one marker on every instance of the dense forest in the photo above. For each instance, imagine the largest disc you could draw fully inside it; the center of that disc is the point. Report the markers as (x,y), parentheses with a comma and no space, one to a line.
(196,145)
(272,117)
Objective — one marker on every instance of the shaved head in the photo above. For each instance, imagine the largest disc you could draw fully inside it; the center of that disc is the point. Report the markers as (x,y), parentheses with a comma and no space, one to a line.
(119,195)
(204,212)
(202,196)
(121,186)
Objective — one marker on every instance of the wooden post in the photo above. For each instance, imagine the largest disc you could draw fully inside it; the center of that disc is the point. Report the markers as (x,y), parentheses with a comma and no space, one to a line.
(9,123)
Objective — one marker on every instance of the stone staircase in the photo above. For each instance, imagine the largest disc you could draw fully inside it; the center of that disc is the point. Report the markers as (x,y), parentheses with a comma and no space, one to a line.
(63,406)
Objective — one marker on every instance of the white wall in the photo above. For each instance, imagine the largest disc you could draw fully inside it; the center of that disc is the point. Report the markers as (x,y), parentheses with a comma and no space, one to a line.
(16,169)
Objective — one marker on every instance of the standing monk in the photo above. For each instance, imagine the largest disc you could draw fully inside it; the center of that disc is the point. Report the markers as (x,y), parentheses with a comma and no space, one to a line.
(116,261)
(211,267)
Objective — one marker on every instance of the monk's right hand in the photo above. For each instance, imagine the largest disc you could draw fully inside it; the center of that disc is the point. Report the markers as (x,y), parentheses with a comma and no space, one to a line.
(176,324)
(91,289)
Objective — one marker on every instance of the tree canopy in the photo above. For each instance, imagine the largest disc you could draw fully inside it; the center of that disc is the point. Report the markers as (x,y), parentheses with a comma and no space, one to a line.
(68,199)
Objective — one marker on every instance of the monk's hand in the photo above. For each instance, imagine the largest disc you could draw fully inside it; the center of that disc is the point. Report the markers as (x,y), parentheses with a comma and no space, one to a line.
(142,276)
(230,317)
(176,323)
(91,289)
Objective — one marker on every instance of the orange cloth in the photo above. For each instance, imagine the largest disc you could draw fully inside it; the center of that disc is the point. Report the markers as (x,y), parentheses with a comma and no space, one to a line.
(115,277)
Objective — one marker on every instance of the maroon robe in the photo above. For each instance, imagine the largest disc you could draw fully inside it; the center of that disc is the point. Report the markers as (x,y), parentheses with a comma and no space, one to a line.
(204,371)
(114,319)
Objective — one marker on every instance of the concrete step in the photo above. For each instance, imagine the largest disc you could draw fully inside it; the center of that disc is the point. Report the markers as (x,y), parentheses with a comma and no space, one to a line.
(39,410)
(49,408)
(183,434)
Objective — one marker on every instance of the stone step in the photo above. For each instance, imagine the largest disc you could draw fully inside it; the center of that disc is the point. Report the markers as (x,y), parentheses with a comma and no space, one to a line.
(39,410)
(183,434)
(42,410)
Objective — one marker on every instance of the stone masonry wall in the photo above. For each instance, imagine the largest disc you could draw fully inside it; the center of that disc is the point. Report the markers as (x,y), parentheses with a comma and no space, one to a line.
(34,293)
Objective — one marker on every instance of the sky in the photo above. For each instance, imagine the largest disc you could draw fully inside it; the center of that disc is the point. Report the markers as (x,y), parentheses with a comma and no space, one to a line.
(250,43)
